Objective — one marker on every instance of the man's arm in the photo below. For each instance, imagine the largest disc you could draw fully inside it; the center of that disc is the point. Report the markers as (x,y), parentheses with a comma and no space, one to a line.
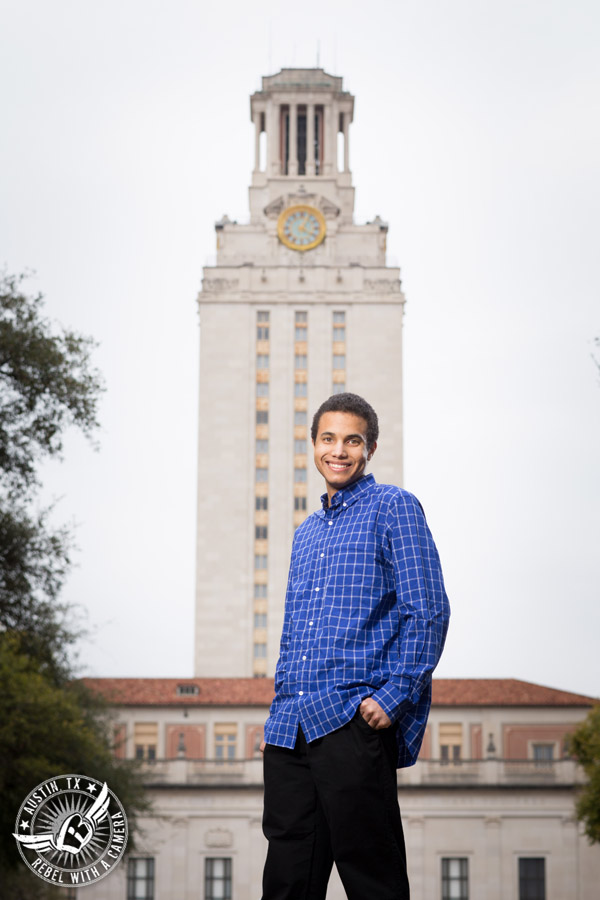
(423,609)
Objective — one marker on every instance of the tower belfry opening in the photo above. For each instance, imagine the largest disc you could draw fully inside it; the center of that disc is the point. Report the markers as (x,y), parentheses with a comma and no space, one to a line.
(299,113)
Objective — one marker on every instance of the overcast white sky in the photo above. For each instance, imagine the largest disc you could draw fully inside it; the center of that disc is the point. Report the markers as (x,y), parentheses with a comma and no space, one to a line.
(126,134)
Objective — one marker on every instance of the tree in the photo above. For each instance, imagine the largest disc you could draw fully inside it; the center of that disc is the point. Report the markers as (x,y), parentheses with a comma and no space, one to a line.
(46,384)
(584,744)
(50,723)
(50,729)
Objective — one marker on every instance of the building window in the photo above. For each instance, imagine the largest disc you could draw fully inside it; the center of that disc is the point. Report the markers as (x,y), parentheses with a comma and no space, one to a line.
(300,361)
(262,361)
(299,476)
(260,591)
(185,689)
(140,879)
(532,878)
(262,332)
(260,620)
(260,532)
(262,474)
(339,318)
(300,417)
(455,879)
(260,562)
(262,446)
(217,879)
(262,388)
(300,446)
(262,315)
(339,333)
(145,740)
(260,651)
(339,361)
(451,743)
(262,416)
(339,387)
(300,389)
(301,317)
(300,503)
(543,754)
(225,741)
(261,502)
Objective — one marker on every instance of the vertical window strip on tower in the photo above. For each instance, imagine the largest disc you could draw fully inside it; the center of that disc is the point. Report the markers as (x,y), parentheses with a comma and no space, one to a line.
(338,348)
(300,415)
(261,490)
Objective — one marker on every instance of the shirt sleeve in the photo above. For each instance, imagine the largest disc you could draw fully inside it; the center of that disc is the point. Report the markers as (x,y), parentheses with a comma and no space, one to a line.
(423,608)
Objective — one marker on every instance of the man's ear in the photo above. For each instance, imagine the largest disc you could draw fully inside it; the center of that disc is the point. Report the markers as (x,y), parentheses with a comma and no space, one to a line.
(372,450)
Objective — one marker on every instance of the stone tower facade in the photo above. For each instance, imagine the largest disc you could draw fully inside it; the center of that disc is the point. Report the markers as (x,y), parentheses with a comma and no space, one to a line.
(299,305)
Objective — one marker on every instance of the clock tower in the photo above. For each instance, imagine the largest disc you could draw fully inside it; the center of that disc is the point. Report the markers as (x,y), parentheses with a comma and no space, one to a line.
(299,305)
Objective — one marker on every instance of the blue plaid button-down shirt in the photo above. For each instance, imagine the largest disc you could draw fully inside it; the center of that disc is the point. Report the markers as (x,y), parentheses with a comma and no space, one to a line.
(366,615)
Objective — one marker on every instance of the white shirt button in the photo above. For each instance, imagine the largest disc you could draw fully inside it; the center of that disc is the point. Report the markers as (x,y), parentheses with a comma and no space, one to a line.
(316,589)
(330,523)
(310,623)
(322,555)
(344,504)
(303,657)
(300,693)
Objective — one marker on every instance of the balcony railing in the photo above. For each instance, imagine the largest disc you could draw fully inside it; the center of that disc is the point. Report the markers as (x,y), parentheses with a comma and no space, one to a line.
(430,773)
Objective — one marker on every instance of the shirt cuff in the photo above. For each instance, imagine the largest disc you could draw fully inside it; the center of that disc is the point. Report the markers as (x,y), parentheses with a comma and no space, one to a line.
(395,697)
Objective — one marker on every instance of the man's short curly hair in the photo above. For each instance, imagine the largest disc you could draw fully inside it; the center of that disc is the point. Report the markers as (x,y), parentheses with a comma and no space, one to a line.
(348,403)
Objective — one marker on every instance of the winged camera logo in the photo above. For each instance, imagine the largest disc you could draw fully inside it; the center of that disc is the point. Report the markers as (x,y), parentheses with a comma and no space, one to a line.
(71,830)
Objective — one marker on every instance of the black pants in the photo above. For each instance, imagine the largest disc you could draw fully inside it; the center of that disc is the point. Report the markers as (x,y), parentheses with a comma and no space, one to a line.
(334,800)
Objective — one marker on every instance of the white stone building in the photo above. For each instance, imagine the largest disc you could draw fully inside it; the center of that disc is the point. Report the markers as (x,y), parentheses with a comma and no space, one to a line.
(487,809)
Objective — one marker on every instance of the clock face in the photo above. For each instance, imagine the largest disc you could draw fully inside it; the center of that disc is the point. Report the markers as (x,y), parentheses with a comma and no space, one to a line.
(301,227)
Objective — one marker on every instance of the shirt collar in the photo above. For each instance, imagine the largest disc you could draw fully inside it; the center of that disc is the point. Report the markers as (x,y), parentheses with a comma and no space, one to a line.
(348,494)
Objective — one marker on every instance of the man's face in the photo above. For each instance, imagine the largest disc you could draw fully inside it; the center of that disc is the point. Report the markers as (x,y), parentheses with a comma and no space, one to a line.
(341,449)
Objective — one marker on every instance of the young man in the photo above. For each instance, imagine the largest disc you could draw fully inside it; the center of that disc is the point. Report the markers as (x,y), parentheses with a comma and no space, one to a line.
(365,620)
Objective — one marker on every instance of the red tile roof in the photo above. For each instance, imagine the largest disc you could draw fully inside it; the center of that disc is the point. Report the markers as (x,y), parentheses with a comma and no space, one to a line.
(259,692)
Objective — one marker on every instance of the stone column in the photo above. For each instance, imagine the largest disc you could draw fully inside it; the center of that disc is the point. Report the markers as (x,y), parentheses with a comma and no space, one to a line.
(293,161)
(310,139)
(329,148)
(346,142)
(333,133)
(492,889)
(256,120)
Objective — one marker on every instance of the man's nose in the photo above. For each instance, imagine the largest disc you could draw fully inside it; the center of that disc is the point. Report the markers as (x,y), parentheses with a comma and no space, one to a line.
(339,449)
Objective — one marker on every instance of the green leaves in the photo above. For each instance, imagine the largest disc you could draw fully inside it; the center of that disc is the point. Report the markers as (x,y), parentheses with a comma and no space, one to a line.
(47,384)
(584,745)
(49,729)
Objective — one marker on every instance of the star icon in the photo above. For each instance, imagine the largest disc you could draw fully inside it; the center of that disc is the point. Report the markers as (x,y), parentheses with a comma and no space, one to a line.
(24,825)
(92,787)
